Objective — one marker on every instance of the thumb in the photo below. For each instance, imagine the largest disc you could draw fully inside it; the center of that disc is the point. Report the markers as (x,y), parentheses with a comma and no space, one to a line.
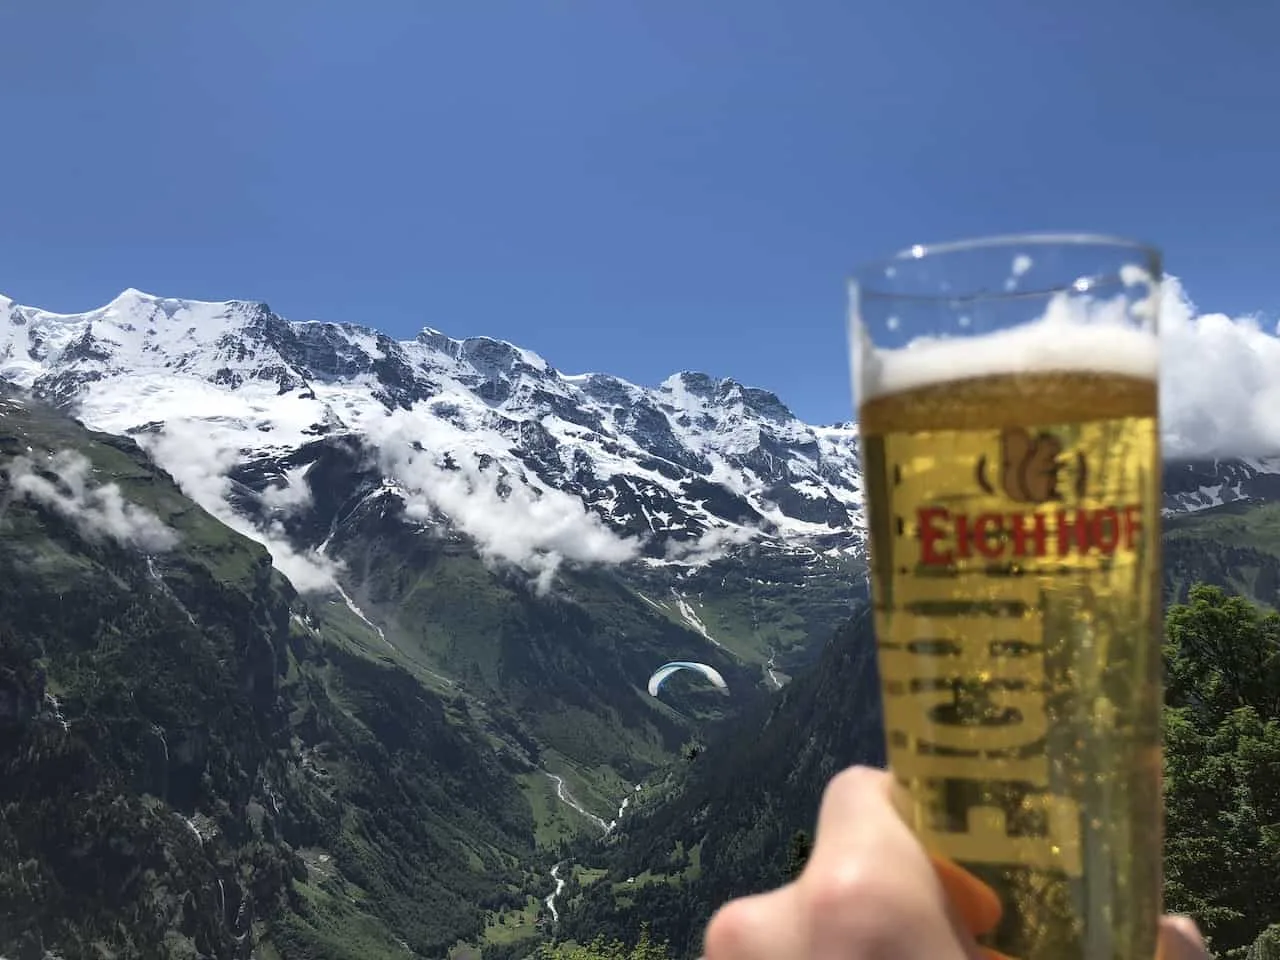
(1180,940)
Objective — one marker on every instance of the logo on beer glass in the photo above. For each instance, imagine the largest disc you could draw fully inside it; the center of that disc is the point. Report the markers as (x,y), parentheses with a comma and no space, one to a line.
(1031,467)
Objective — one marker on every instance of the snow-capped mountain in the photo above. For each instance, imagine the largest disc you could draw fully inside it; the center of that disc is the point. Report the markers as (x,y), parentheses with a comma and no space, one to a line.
(1192,485)
(535,465)
(474,436)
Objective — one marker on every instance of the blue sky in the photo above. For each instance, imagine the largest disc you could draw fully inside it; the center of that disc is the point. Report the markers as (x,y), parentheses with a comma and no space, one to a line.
(621,186)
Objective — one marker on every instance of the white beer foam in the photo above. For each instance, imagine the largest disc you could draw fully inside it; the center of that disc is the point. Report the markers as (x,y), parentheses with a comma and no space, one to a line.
(1071,337)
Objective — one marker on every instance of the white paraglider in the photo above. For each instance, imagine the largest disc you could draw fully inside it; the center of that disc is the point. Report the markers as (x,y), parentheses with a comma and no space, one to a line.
(660,675)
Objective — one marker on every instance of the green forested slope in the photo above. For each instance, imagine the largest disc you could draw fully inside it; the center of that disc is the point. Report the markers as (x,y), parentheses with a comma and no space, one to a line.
(189,763)
(1235,546)
(723,826)
(727,823)
(195,761)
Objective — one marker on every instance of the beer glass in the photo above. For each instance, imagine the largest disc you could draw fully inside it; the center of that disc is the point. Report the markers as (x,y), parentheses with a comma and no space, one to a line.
(1007,408)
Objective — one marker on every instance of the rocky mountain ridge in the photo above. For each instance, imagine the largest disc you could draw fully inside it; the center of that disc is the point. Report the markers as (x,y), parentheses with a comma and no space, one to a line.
(696,464)
(662,473)
(692,467)
(196,761)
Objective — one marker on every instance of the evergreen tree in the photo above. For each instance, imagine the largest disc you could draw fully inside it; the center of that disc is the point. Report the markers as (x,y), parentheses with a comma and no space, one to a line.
(798,853)
(1267,946)
(1222,768)
(645,948)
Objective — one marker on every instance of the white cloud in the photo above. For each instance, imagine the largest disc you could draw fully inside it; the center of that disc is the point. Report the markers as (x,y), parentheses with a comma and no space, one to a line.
(714,543)
(96,510)
(291,496)
(534,530)
(1220,381)
(198,454)
(1219,375)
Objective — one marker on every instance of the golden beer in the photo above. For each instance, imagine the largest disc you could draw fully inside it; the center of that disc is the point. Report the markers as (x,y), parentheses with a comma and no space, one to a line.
(1014,519)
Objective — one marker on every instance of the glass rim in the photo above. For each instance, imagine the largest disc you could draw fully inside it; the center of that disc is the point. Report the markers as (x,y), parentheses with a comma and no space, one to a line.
(860,287)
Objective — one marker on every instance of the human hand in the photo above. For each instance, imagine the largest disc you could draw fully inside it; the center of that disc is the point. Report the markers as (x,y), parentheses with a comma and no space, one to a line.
(871,892)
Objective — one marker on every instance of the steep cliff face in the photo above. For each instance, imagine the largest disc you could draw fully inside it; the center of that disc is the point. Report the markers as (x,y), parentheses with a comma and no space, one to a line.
(192,762)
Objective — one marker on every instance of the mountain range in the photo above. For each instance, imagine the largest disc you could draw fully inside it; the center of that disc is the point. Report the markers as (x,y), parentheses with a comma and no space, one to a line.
(449,493)
(665,473)
(480,510)
(427,570)
(464,429)
(527,547)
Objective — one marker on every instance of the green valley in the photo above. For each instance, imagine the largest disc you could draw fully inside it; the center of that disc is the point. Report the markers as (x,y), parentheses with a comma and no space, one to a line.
(736,819)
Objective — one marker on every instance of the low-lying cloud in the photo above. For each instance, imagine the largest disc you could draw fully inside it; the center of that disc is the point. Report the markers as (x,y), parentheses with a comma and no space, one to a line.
(199,455)
(534,530)
(1219,382)
(95,509)
(713,544)
(290,497)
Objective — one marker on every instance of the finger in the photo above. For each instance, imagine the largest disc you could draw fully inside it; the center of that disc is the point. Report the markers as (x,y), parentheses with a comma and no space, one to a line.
(859,810)
(1180,940)
(976,903)
(767,925)
(869,889)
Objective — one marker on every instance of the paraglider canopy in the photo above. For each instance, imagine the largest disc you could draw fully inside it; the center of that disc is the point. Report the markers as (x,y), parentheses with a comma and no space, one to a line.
(660,675)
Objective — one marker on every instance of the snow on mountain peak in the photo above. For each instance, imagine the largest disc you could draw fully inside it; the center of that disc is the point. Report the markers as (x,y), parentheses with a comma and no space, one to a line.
(484,353)
(726,392)
(537,467)
(476,435)
(132,295)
